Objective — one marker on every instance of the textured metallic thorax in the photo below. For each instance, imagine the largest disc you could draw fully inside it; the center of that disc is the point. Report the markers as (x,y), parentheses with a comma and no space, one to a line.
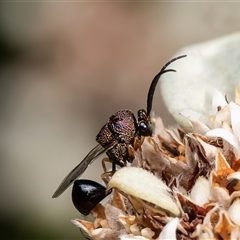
(121,129)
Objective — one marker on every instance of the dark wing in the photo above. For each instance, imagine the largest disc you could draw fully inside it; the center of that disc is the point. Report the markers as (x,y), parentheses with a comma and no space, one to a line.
(80,168)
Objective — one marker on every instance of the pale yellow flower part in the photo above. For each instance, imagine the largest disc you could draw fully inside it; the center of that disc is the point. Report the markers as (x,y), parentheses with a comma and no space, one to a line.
(150,189)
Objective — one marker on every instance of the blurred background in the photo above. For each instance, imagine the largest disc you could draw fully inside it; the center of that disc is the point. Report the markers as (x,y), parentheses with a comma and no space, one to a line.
(64,69)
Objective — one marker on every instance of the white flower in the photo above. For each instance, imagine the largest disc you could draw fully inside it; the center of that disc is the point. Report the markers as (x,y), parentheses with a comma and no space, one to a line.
(185,184)
(210,65)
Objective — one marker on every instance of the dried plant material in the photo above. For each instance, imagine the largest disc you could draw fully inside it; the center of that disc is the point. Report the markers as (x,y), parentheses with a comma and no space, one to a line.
(224,226)
(85,225)
(135,230)
(182,185)
(147,233)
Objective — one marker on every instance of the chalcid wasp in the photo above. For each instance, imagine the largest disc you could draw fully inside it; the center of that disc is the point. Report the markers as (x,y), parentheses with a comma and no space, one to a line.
(119,137)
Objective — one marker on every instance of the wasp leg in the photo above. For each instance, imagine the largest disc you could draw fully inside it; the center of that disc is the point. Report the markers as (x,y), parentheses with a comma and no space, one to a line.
(135,146)
(138,143)
(106,175)
(104,161)
(131,153)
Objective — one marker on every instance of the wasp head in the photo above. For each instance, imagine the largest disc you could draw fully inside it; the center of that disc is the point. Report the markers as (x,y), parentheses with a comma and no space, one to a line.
(144,123)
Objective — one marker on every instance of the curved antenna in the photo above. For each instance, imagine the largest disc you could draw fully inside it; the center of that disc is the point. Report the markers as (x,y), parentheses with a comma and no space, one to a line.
(155,81)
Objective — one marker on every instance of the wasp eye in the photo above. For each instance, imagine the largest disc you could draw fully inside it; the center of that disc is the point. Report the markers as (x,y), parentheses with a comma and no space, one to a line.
(145,128)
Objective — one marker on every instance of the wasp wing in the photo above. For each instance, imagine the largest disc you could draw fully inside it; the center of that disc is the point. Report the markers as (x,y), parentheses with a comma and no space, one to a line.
(80,168)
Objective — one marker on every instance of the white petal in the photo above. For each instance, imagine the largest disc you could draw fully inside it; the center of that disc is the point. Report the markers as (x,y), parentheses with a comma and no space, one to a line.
(220,195)
(201,186)
(235,119)
(198,126)
(205,236)
(226,135)
(196,120)
(142,184)
(218,100)
(204,232)
(209,65)
(234,210)
(235,175)
(235,234)
(222,118)
(147,233)
(169,231)
(191,113)
(133,238)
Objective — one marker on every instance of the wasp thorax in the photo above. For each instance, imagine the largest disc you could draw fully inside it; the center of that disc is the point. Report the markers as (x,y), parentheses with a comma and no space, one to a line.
(120,132)
(120,127)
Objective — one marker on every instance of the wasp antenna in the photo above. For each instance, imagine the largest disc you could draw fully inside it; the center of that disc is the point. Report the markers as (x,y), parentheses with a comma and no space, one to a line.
(155,81)
(152,89)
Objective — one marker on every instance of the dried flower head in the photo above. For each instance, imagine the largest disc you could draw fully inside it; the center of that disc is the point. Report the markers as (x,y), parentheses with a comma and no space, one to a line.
(183,185)
(184,182)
